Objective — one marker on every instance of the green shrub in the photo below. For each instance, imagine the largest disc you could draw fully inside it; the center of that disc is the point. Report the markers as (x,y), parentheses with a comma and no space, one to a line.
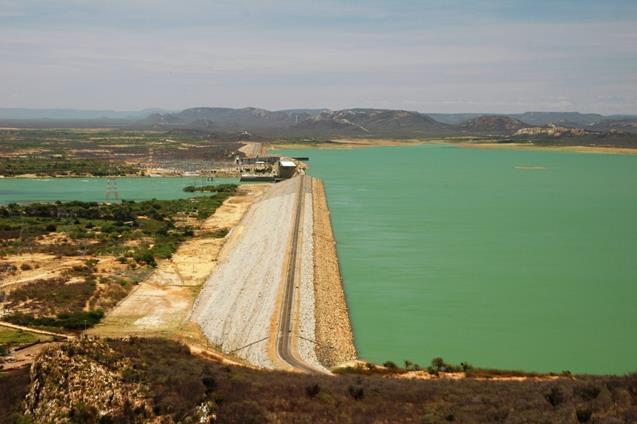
(356,392)
(390,365)
(145,257)
(312,390)
(555,397)
(583,415)
(69,321)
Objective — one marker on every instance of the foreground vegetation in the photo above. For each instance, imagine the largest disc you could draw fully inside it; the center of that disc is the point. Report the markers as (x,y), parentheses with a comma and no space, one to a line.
(221,188)
(162,379)
(13,388)
(110,248)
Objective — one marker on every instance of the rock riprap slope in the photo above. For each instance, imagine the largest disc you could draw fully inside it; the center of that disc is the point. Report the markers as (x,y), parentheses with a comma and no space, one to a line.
(236,306)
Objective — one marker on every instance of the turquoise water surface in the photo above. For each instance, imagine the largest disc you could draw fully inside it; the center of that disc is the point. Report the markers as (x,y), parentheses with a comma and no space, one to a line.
(502,258)
(95,189)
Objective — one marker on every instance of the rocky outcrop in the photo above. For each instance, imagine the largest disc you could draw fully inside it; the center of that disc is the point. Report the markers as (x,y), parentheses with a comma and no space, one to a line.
(84,378)
(493,124)
(552,131)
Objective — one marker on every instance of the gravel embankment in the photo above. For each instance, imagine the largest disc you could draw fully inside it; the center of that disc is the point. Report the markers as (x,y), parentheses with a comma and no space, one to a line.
(236,305)
(333,328)
(307,322)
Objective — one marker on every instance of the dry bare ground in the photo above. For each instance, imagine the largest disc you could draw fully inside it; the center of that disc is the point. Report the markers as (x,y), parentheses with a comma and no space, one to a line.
(253,149)
(39,266)
(159,305)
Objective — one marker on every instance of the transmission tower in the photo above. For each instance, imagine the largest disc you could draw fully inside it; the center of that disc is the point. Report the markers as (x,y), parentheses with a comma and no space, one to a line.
(112,193)
(24,234)
(111,189)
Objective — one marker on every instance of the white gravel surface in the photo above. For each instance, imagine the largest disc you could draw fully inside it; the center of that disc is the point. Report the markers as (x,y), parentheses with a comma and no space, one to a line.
(236,304)
(307,322)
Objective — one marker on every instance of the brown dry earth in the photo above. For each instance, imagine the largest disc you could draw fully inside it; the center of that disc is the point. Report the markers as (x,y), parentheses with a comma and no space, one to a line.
(253,149)
(335,343)
(24,357)
(44,266)
(160,305)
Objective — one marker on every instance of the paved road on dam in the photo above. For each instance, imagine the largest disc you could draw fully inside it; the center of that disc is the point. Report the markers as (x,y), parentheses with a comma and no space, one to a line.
(285,350)
(258,303)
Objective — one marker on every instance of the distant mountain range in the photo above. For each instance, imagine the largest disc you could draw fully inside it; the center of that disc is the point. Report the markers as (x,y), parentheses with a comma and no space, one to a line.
(217,118)
(371,122)
(329,123)
(493,123)
(535,118)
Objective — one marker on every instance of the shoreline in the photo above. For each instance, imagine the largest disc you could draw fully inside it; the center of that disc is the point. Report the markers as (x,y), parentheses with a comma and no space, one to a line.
(535,147)
(334,336)
(349,144)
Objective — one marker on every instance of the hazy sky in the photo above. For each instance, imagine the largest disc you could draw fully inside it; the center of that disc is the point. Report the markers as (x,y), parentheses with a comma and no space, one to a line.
(430,56)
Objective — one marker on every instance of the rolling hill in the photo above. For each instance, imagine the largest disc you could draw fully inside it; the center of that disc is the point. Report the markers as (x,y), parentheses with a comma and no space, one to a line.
(493,124)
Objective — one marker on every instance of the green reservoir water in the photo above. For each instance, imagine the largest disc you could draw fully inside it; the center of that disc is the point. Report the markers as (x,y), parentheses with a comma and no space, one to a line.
(22,190)
(502,258)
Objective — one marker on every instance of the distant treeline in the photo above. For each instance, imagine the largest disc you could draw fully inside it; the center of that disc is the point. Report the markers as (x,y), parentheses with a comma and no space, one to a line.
(65,167)
(219,188)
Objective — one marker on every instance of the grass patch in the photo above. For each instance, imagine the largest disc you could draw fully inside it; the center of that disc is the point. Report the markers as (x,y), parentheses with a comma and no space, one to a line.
(11,339)
(219,188)
(69,321)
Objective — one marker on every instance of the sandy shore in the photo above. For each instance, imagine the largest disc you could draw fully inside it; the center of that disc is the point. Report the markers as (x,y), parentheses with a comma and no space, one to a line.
(341,143)
(335,342)
(535,147)
(459,142)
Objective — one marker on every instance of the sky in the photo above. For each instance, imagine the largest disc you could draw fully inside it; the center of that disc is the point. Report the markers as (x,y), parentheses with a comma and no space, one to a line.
(498,56)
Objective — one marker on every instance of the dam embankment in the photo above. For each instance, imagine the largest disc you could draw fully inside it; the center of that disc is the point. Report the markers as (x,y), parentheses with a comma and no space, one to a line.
(335,341)
(241,307)
(237,305)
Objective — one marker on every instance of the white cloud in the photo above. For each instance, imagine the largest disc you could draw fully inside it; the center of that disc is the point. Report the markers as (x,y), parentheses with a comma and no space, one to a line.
(481,66)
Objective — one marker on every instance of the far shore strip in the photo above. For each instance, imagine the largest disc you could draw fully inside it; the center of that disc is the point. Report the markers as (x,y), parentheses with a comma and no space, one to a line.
(355,143)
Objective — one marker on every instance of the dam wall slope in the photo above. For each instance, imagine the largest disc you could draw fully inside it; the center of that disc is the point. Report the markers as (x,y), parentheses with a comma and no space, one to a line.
(236,306)
(335,342)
